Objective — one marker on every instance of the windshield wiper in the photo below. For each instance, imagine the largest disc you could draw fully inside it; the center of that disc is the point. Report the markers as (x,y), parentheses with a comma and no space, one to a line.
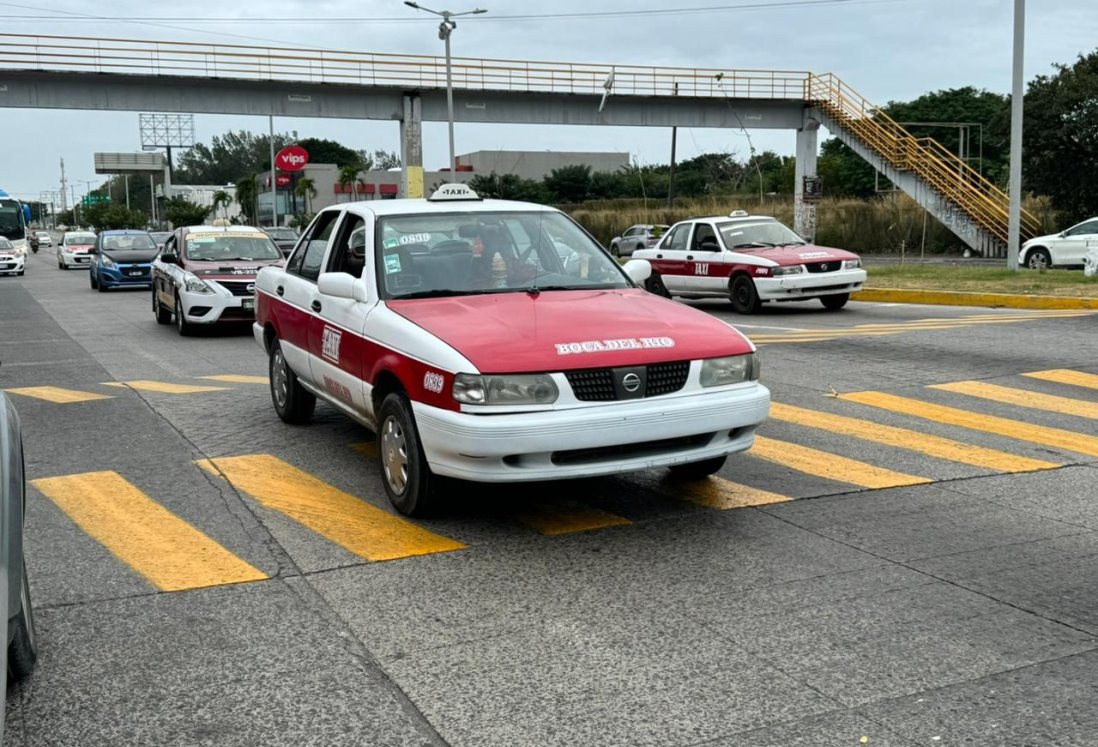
(764,244)
(441,292)
(794,243)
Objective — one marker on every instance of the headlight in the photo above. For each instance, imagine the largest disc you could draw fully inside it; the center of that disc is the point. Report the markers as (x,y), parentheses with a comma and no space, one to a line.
(526,389)
(195,285)
(852,264)
(20,251)
(793,270)
(730,370)
(107,261)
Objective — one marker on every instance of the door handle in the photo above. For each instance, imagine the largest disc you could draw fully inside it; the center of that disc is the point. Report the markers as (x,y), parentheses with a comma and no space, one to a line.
(316,305)
(280,290)
(690,256)
(659,256)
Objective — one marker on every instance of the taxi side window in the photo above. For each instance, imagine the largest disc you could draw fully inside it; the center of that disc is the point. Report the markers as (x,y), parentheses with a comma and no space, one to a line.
(349,254)
(705,239)
(676,240)
(310,251)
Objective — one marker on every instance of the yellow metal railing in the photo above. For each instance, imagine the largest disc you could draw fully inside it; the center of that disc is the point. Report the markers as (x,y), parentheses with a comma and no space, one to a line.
(945,172)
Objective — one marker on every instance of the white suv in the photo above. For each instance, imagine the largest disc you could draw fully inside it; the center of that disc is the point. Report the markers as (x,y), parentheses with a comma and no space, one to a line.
(1058,249)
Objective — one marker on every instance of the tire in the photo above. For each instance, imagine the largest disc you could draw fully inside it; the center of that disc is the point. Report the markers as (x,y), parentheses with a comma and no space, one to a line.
(745,299)
(655,285)
(163,316)
(92,280)
(835,302)
(182,326)
(698,470)
(99,285)
(292,402)
(21,273)
(615,250)
(1039,259)
(23,649)
(408,480)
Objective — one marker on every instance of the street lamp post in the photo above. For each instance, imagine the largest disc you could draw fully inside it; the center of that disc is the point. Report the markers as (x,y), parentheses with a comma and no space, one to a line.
(444,30)
(1014,217)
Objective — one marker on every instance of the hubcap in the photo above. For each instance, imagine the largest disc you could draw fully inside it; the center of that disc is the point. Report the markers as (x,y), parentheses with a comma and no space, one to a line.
(1037,261)
(280,380)
(394,455)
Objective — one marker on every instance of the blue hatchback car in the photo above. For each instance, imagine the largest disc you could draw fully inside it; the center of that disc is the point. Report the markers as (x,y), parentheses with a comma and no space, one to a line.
(122,258)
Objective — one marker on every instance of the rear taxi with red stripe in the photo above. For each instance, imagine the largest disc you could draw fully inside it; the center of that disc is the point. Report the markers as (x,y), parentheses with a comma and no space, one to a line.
(496,341)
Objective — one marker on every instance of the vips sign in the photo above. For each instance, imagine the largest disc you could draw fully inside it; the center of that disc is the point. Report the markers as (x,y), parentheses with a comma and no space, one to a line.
(281,180)
(292,158)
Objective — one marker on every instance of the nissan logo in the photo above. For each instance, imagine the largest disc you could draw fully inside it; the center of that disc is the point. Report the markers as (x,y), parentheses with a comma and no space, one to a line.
(630,382)
(824,267)
(250,288)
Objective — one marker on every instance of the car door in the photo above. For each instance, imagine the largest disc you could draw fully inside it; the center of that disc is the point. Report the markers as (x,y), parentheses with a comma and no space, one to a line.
(338,350)
(166,275)
(670,261)
(705,270)
(296,301)
(1071,249)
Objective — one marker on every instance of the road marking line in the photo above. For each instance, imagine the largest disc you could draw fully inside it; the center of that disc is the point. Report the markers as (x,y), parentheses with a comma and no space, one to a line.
(901,438)
(143,385)
(1066,376)
(237,379)
(1016,429)
(170,553)
(721,494)
(830,466)
(568,517)
(57,395)
(353,524)
(1022,398)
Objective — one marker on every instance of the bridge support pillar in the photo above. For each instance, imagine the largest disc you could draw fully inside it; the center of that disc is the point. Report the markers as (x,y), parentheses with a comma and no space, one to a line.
(804,211)
(411,148)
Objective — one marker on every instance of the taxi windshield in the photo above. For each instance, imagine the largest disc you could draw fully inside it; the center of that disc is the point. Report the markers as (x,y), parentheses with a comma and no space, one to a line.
(224,247)
(454,254)
(743,235)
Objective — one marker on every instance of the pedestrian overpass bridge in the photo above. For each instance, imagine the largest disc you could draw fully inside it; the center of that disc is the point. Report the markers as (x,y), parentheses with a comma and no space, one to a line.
(57,72)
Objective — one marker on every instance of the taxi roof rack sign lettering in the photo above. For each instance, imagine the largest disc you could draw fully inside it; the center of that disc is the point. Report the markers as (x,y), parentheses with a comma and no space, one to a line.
(453,193)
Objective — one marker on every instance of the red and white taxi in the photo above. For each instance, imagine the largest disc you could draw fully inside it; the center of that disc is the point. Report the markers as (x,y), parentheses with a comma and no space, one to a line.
(496,341)
(75,249)
(749,259)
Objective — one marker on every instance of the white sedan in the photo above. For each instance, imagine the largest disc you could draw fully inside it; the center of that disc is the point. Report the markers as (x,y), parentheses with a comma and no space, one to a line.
(75,250)
(1066,248)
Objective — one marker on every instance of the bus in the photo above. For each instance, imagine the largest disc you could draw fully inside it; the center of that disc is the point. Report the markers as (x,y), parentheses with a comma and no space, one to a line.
(14,217)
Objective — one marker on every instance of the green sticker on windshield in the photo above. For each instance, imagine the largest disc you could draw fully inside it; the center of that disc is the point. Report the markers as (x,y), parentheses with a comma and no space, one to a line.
(392,263)
(390,243)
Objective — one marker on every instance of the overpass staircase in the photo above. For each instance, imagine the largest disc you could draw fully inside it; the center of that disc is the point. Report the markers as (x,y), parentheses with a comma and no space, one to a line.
(944,184)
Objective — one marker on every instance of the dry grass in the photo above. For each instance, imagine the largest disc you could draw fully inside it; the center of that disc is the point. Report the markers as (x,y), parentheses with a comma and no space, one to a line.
(983,280)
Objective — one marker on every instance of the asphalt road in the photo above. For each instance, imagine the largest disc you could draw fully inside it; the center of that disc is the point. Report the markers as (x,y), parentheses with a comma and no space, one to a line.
(907,557)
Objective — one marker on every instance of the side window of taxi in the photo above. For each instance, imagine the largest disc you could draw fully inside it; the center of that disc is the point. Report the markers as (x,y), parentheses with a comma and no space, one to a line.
(310,250)
(675,241)
(349,254)
(705,239)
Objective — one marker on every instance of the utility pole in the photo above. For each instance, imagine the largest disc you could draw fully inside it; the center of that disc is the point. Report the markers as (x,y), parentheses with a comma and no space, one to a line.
(1014,223)
(274,177)
(671,173)
(64,206)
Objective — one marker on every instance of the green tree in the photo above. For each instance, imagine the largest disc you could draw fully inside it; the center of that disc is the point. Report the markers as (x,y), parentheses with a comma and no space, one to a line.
(381,160)
(1061,137)
(329,151)
(306,188)
(182,212)
(348,177)
(221,199)
(569,183)
(509,187)
(107,215)
(228,156)
(247,192)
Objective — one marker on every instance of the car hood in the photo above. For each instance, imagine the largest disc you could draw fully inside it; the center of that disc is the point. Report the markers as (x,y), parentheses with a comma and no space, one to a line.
(785,256)
(228,270)
(565,330)
(136,257)
(1043,239)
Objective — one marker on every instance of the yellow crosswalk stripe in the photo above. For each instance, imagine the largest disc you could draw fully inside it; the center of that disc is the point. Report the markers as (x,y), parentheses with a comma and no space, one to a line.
(1022,398)
(915,325)
(144,535)
(1067,376)
(237,379)
(830,466)
(721,494)
(355,525)
(1016,429)
(163,387)
(567,517)
(902,438)
(57,395)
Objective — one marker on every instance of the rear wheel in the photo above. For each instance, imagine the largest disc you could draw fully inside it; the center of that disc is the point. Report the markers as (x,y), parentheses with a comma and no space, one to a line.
(614,250)
(1039,259)
(655,285)
(23,649)
(408,480)
(745,299)
(835,302)
(698,470)
(163,316)
(291,401)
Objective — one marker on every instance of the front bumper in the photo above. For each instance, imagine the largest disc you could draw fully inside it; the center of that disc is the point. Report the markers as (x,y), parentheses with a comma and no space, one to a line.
(75,259)
(624,436)
(219,306)
(809,285)
(12,263)
(124,275)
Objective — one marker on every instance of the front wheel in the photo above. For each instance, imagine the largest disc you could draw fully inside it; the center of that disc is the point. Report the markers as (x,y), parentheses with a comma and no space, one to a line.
(291,401)
(163,316)
(698,470)
(835,302)
(745,299)
(182,326)
(23,649)
(1039,259)
(654,284)
(408,480)
(92,279)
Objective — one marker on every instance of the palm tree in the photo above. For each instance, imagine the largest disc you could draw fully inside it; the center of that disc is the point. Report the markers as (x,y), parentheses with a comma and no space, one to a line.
(222,199)
(246,195)
(349,175)
(306,188)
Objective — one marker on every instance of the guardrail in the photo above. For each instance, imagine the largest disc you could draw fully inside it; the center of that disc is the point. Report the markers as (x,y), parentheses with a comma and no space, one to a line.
(140,57)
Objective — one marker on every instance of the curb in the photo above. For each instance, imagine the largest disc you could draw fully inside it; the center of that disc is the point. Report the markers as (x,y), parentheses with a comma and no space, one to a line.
(957,298)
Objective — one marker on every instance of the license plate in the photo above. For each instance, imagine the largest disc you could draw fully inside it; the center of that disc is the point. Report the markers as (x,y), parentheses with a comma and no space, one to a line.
(247,303)
(135,273)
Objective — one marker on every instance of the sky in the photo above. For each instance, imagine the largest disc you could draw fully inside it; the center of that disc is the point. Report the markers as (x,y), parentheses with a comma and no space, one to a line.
(888,50)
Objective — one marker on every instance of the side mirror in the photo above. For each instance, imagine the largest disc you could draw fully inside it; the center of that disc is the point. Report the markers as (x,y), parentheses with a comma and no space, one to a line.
(169,259)
(638,270)
(341,285)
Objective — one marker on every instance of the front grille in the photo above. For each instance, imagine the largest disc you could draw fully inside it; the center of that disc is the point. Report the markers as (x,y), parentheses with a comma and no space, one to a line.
(626,451)
(597,384)
(238,287)
(832,266)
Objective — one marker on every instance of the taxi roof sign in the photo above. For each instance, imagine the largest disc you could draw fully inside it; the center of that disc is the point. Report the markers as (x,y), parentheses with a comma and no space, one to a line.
(738,214)
(453,192)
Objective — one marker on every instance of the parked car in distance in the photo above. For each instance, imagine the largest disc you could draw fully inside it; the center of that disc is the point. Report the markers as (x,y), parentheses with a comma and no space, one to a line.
(750,260)
(160,237)
(284,237)
(636,237)
(21,641)
(45,238)
(1064,249)
(122,258)
(13,259)
(75,249)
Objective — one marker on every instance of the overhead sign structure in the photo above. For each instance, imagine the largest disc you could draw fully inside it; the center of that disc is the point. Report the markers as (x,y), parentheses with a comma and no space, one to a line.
(292,158)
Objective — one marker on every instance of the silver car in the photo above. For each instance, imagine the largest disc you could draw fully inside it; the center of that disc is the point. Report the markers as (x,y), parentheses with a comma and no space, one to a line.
(22,645)
(637,237)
